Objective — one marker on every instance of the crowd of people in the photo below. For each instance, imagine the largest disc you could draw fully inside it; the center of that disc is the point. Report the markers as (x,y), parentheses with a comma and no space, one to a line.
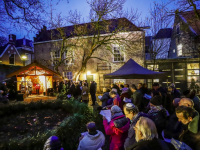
(154,119)
(79,90)
(166,120)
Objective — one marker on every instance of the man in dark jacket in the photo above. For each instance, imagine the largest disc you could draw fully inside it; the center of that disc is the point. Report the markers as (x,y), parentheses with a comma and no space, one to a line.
(131,111)
(4,89)
(137,97)
(147,137)
(158,114)
(93,88)
(191,126)
(157,87)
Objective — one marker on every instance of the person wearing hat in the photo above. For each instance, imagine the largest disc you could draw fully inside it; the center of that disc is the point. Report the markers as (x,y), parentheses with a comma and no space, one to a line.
(91,140)
(117,128)
(131,111)
(4,89)
(158,114)
(53,143)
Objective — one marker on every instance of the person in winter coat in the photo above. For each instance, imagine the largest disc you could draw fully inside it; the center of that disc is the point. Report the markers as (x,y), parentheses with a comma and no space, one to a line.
(30,87)
(191,126)
(4,89)
(116,99)
(158,114)
(131,111)
(77,91)
(174,128)
(37,87)
(84,94)
(117,128)
(147,137)
(195,99)
(93,88)
(53,143)
(124,94)
(137,97)
(91,140)
(105,97)
(158,88)
(114,86)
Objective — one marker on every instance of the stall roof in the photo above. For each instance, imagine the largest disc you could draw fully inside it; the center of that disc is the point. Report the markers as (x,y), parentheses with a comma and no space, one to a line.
(33,69)
(132,70)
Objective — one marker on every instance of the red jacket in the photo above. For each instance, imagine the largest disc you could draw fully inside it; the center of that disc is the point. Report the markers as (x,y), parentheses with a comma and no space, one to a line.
(117,101)
(37,86)
(117,135)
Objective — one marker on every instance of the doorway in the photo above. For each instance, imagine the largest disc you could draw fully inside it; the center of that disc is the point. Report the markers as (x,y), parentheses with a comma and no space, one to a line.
(89,78)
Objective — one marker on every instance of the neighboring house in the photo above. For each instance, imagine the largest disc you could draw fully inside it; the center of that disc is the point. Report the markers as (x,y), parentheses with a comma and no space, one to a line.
(47,45)
(12,52)
(182,65)
(157,47)
(185,40)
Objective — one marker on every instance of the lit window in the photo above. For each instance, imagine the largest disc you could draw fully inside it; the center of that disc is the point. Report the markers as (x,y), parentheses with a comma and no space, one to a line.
(152,67)
(179,50)
(118,55)
(193,66)
(174,50)
(68,75)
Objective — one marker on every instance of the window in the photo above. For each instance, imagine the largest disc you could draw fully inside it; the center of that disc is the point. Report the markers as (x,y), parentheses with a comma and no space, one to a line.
(178,28)
(57,54)
(178,69)
(174,50)
(193,66)
(69,55)
(68,75)
(167,70)
(12,59)
(151,67)
(179,50)
(118,55)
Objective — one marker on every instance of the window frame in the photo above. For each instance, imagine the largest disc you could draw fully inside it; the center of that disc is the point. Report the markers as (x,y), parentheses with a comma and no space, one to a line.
(122,54)
(68,74)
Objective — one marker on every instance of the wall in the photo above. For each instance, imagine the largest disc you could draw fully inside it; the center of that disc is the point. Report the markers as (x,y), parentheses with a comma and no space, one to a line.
(134,51)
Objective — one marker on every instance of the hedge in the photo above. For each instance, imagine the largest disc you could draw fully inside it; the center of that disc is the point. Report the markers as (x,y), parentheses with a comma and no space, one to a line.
(68,131)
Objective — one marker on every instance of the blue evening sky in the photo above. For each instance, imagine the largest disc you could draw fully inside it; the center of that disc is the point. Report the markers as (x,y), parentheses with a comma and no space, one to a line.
(81,6)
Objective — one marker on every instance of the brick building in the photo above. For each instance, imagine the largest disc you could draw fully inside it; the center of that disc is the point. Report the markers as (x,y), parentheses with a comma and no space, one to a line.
(47,48)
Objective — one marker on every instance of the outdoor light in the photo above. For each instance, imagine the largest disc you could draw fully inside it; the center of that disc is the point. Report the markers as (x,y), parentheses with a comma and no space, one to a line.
(88,73)
(24,57)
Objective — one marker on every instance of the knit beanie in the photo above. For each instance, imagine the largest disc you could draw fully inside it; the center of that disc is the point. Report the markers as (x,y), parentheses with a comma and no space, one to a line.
(115,109)
(156,100)
(53,143)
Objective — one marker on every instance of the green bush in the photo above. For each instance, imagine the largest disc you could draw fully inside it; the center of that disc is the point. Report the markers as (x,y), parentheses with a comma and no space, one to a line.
(68,131)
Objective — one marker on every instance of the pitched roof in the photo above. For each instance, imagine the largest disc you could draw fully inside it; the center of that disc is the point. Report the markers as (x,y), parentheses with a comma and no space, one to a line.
(29,69)
(164,33)
(190,18)
(87,29)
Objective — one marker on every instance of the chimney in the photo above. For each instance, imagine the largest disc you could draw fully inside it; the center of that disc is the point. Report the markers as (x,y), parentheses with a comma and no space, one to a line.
(12,38)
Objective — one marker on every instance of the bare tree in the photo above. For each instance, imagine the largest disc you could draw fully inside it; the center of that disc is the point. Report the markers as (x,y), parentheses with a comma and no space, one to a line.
(101,33)
(158,19)
(3,40)
(22,14)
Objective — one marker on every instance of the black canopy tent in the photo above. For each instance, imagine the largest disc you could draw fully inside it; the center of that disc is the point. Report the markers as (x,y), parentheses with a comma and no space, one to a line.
(132,70)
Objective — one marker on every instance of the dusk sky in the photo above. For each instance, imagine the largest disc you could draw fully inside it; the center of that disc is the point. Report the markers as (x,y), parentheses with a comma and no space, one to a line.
(81,6)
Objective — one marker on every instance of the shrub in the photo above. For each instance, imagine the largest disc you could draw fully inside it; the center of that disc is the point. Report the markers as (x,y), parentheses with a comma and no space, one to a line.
(68,131)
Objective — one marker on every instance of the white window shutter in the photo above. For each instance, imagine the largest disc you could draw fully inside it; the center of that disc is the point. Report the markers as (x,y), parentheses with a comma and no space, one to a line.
(51,58)
(64,74)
